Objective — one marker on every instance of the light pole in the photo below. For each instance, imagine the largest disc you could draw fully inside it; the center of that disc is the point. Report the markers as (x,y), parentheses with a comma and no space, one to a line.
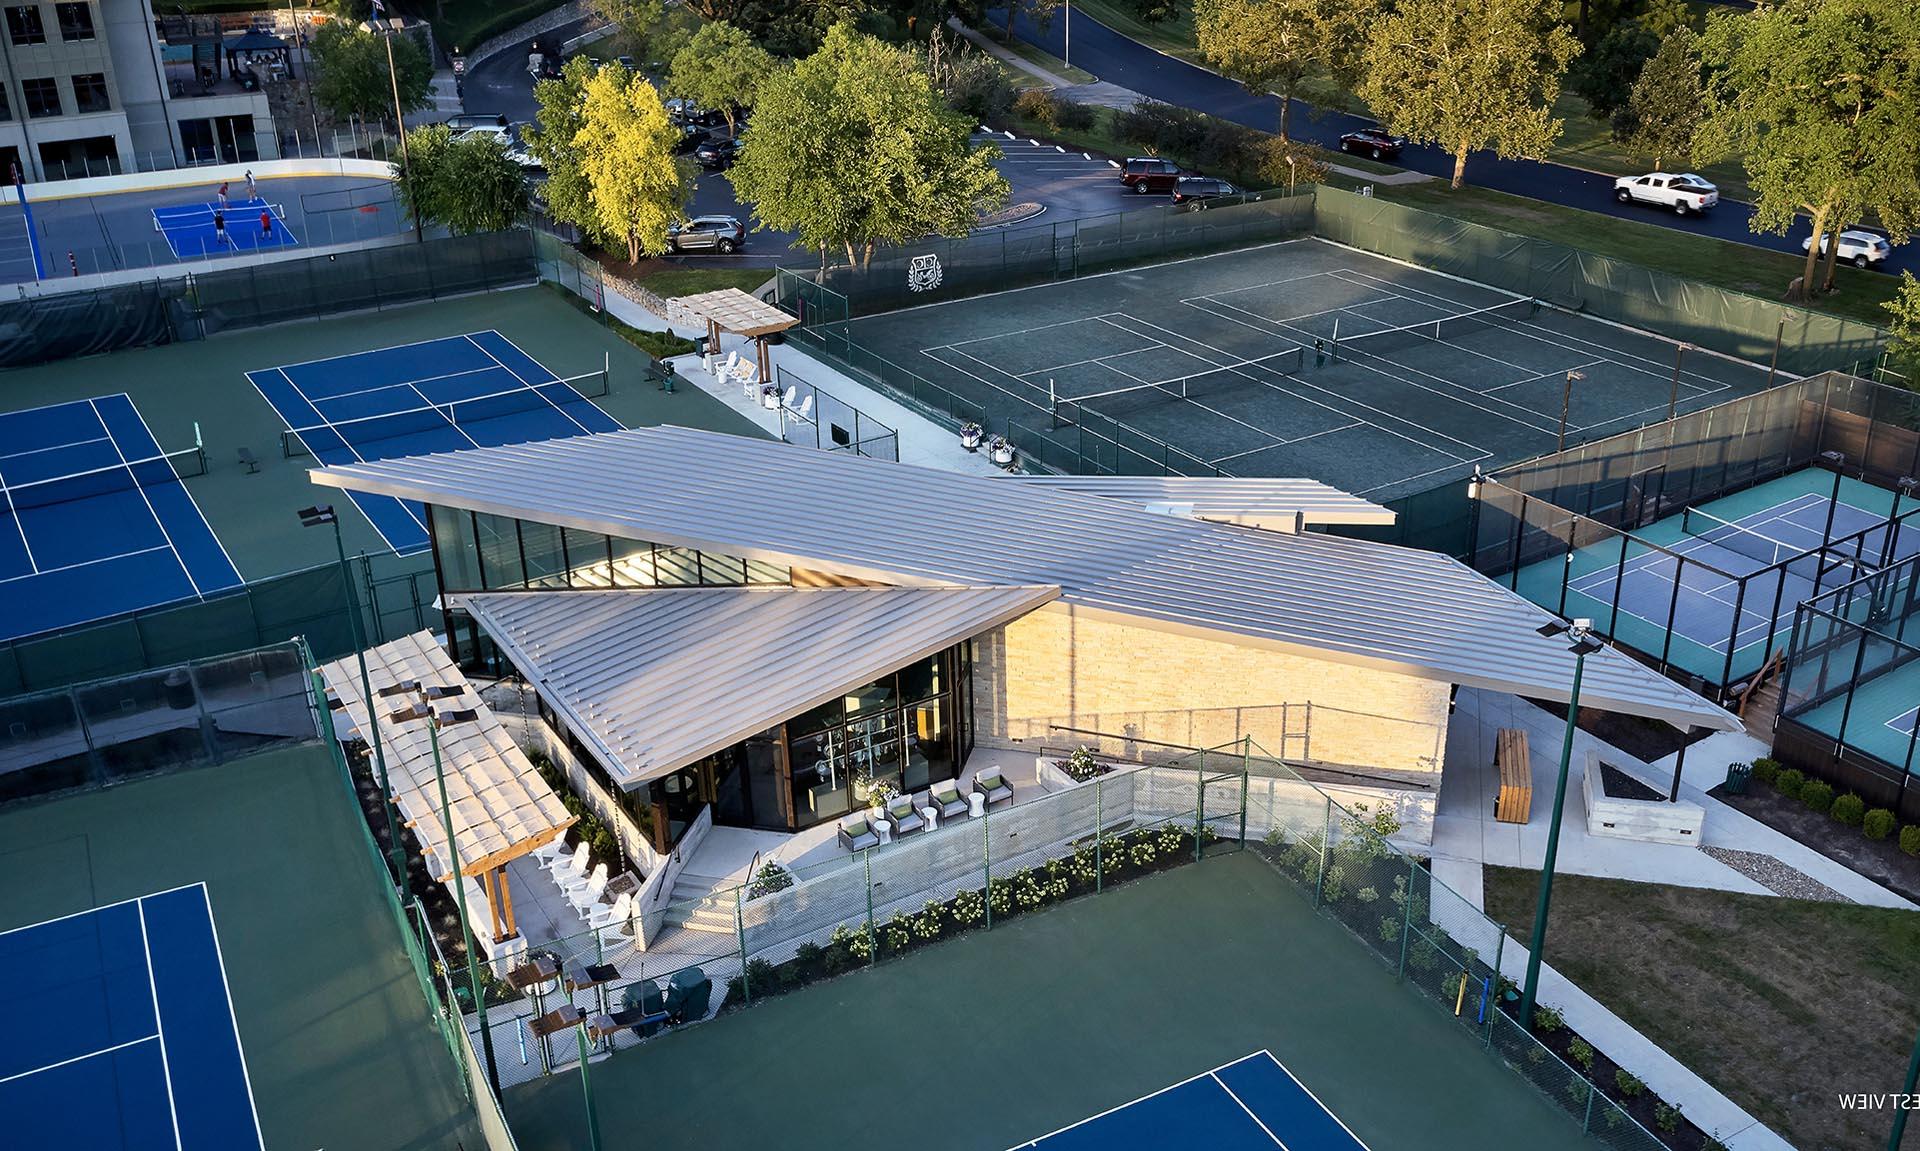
(420,709)
(399,119)
(321,515)
(1673,399)
(1584,645)
(1566,400)
(1900,1113)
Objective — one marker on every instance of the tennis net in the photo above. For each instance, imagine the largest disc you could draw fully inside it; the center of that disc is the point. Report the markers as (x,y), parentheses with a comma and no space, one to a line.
(1807,563)
(556,396)
(195,215)
(148,472)
(1067,409)
(1434,331)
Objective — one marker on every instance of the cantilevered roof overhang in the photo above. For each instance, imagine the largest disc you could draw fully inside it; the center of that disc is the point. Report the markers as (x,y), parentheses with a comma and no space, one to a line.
(1274,504)
(656,679)
(1350,601)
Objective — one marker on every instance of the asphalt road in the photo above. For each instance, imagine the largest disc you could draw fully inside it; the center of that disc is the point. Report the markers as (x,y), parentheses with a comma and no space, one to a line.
(1069,185)
(1130,64)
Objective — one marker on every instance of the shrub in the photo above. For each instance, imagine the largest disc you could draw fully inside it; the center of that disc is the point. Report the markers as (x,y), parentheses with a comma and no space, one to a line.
(1581,1052)
(1765,769)
(761,976)
(1712,1144)
(1910,839)
(1546,1020)
(1666,1118)
(1817,795)
(1628,1083)
(1789,782)
(976,85)
(1035,104)
(1160,128)
(1073,117)
(1849,809)
(1878,823)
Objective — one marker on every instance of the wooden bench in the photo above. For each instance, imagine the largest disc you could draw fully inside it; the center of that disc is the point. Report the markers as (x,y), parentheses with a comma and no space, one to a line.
(1514,804)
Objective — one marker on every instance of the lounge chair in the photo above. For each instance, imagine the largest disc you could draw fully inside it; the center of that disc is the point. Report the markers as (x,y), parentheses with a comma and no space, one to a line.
(946,799)
(904,815)
(552,852)
(599,873)
(590,894)
(858,834)
(618,914)
(993,785)
(572,866)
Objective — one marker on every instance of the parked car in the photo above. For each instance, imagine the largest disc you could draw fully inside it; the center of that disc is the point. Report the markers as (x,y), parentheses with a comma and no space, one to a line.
(723,234)
(1189,188)
(717,152)
(522,155)
(692,139)
(1861,249)
(467,120)
(1683,192)
(1375,141)
(1146,174)
(689,114)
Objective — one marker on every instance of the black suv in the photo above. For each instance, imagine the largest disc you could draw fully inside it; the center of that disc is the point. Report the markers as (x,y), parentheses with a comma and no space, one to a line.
(1188,188)
(722,234)
(717,152)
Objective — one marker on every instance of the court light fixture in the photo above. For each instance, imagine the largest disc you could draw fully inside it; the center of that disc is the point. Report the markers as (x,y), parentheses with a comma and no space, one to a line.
(1580,632)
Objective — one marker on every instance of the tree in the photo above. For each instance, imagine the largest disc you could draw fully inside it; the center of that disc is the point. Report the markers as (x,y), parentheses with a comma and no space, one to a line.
(468,184)
(1821,100)
(1604,77)
(854,147)
(1905,327)
(1665,17)
(551,139)
(625,143)
(1663,111)
(719,69)
(351,67)
(1271,45)
(637,20)
(1468,74)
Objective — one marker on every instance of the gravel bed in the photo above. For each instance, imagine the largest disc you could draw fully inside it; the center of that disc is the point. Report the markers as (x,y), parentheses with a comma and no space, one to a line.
(1775,876)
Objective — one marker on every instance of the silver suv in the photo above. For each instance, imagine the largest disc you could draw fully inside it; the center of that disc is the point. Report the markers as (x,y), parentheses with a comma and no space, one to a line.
(723,234)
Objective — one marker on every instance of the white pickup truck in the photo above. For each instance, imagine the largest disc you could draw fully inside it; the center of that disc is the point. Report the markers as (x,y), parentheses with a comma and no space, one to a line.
(1683,193)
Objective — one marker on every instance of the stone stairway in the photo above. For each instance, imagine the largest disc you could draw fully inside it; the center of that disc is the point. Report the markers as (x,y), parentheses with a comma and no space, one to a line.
(694,905)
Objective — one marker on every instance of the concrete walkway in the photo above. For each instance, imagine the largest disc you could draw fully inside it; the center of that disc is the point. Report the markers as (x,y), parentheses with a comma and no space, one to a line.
(1008,57)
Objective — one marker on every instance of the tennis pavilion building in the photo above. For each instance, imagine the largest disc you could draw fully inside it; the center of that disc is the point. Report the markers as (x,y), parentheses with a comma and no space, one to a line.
(732,631)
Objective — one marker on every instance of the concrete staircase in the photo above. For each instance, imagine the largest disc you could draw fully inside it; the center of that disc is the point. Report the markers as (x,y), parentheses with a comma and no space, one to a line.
(694,904)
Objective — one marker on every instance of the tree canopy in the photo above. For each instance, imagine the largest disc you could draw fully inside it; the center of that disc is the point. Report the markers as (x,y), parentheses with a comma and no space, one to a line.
(1468,74)
(468,184)
(639,21)
(720,68)
(854,146)
(1272,45)
(350,66)
(1821,100)
(1604,76)
(551,140)
(635,186)
(1905,327)
(1663,111)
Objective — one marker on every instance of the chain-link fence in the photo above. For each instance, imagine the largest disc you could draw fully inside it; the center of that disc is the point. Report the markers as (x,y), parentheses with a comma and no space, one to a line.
(61,325)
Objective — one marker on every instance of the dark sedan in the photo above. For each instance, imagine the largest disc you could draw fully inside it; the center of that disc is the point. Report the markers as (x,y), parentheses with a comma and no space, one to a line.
(1376,142)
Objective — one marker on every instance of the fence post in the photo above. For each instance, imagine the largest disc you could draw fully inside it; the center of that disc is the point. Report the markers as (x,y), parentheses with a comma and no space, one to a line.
(740,933)
(1406,925)
(1246,770)
(1326,845)
(1493,1000)
(873,937)
(986,861)
(1099,822)
(1586,1121)
(1199,808)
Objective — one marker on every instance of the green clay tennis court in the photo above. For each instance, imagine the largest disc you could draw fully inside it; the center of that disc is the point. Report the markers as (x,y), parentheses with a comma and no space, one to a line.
(1304,358)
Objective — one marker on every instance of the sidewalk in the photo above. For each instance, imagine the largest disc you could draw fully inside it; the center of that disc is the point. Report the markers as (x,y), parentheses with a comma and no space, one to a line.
(1011,59)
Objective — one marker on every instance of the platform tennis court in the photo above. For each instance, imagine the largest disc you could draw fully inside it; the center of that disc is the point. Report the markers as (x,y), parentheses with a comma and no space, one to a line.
(1247,1105)
(1304,358)
(94,519)
(125,1037)
(189,228)
(442,395)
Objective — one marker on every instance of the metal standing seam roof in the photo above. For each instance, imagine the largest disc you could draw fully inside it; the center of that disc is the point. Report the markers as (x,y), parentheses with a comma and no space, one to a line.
(658,678)
(501,806)
(1351,601)
(1278,504)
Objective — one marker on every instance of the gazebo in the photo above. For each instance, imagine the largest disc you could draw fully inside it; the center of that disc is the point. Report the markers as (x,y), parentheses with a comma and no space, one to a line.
(243,50)
(735,311)
(502,808)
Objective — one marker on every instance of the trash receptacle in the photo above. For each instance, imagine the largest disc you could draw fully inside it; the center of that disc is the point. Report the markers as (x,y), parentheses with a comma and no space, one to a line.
(1737,776)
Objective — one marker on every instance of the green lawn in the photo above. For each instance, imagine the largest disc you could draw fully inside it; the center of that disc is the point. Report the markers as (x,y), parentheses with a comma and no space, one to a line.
(1781,1004)
(1042,58)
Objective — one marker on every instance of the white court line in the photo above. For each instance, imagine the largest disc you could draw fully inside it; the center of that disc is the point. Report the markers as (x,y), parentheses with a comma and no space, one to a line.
(329,425)
(1317,1101)
(534,388)
(233,1017)
(52,448)
(1217,460)
(102,907)
(1141,1099)
(1196,403)
(1903,723)
(151,510)
(355,355)
(159,1029)
(405,383)
(81,564)
(228,556)
(1222,1084)
(87,1056)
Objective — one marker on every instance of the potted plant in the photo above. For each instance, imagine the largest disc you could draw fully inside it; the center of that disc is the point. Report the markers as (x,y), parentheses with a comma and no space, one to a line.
(970,435)
(1000,451)
(879,791)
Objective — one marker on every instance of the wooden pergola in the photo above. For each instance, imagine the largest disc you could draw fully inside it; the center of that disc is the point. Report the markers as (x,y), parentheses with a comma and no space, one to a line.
(502,808)
(742,314)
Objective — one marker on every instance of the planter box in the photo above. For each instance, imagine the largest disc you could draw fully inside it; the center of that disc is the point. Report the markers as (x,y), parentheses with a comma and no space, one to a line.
(1647,820)
(1050,770)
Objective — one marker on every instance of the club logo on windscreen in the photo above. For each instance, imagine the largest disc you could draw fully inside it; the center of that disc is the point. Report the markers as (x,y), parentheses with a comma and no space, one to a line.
(923,274)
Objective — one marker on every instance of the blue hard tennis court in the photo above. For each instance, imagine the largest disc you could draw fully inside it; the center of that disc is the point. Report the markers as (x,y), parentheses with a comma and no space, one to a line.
(189,231)
(122,1034)
(444,395)
(1251,1104)
(94,518)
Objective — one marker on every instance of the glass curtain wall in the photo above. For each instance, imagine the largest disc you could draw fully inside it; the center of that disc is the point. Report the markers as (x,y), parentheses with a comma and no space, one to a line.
(481,552)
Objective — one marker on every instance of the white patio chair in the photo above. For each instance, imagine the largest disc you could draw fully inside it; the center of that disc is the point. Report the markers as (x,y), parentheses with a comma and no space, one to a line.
(590,894)
(552,852)
(727,365)
(792,394)
(571,866)
(573,886)
(805,410)
(605,916)
(748,373)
